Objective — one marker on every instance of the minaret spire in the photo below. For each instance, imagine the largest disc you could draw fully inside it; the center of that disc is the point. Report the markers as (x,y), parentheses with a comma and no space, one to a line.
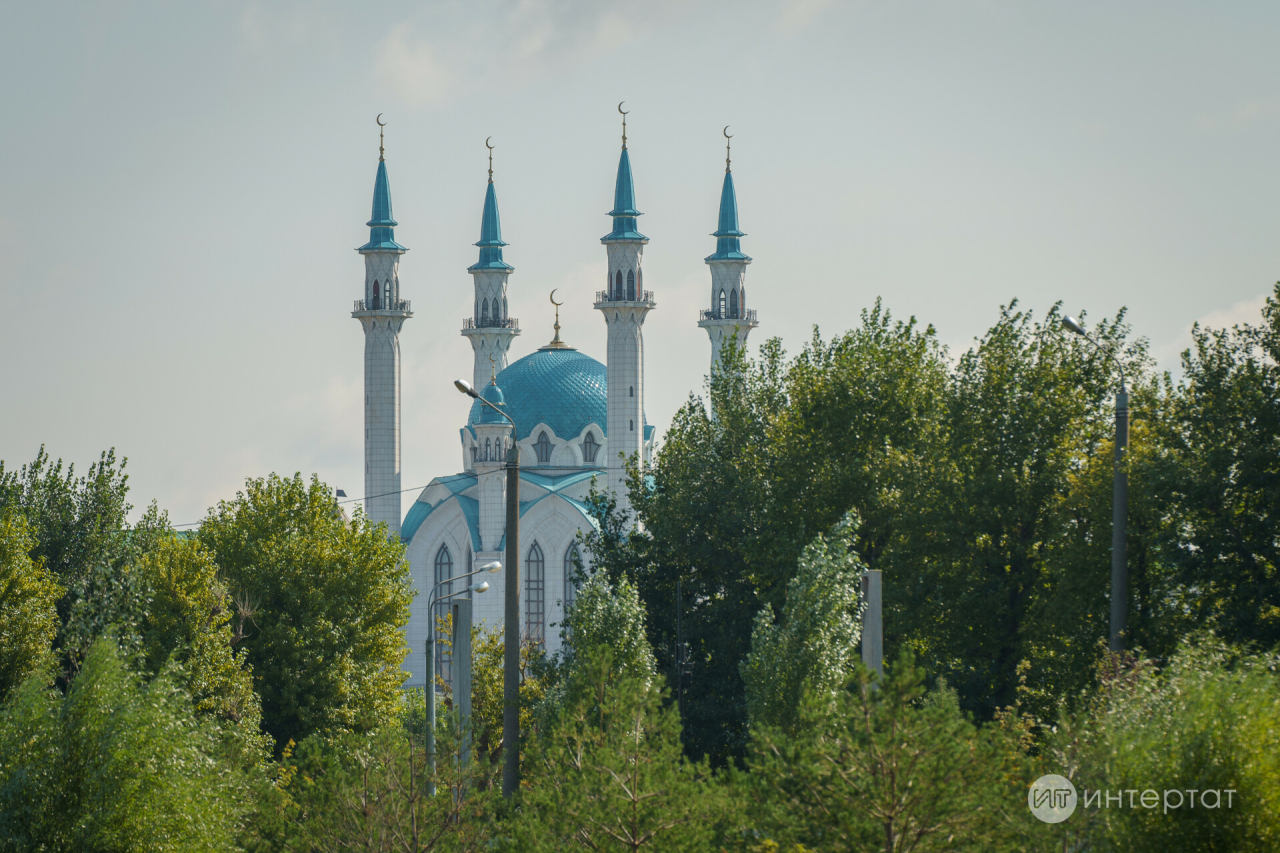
(381,313)
(728,314)
(489,329)
(624,303)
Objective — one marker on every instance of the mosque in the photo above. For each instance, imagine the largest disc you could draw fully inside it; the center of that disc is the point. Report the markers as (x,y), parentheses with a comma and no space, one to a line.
(577,420)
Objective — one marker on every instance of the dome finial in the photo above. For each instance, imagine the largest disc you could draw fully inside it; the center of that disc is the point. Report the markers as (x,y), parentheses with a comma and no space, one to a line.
(556,343)
(493,370)
(381,125)
(490,147)
(727,137)
(624,124)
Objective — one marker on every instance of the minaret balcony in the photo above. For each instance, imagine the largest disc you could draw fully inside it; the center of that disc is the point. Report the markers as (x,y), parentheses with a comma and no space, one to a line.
(469,323)
(746,318)
(643,298)
(390,306)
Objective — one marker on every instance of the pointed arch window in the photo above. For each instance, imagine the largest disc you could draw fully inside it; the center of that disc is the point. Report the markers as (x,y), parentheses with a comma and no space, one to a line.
(721,312)
(443,574)
(640,281)
(543,448)
(617,286)
(377,297)
(535,589)
(488,450)
(733,304)
(631,285)
(484,313)
(590,448)
(504,307)
(632,389)
(386,295)
(572,559)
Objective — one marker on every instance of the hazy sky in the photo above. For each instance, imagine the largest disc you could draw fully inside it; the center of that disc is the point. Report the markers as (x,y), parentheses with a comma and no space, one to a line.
(183,184)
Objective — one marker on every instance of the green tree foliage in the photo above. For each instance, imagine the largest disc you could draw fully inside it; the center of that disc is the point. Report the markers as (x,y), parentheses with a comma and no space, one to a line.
(1210,720)
(609,774)
(325,604)
(816,641)
(1217,476)
(77,521)
(28,595)
(113,765)
(884,769)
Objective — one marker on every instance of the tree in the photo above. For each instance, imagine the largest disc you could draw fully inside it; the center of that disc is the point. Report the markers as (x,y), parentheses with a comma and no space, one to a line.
(609,774)
(886,769)
(815,642)
(113,765)
(1209,721)
(324,601)
(78,522)
(28,596)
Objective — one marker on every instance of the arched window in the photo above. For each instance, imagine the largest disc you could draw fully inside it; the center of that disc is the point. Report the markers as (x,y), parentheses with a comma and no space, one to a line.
(640,282)
(444,571)
(543,448)
(484,313)
(617,285)
(633,391)
(633,426)
(572,558)
(590,449)
(535,593)
(475,453)
(377,297)
(631,285)
(488,450)
(386,295)
(721,314)
(504,307)
(733,304)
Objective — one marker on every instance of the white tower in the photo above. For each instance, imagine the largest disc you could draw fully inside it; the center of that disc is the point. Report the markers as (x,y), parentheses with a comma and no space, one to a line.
(624,303)
(728,315)
(382,312)
(490,329)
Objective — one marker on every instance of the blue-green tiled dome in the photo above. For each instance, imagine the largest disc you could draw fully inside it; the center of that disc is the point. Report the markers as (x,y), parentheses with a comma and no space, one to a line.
(562,388)
(494,395)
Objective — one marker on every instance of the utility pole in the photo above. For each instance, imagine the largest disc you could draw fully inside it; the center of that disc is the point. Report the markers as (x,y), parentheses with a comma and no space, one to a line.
(511,630)
(872,624)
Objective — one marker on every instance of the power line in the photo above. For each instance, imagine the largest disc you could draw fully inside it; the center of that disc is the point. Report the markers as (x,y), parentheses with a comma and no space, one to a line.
(347,501)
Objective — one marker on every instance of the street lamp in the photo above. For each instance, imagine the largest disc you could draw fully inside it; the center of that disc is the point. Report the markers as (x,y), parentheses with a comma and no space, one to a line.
(432,601)
(511,611)
(1119,502)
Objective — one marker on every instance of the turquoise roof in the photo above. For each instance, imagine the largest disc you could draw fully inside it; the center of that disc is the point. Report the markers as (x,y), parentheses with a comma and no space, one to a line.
(381,226)
(727,233)
(494,395)
(490,236)
(562,388)
(624,211)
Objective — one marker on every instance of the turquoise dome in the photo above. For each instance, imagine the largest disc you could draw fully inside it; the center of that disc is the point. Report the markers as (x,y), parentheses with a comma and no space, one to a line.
(494,395)
(562,388)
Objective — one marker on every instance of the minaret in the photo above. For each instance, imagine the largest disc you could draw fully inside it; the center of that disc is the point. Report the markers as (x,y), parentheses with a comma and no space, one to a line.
(728,315)
(490,329)
(381,313)
(624,303)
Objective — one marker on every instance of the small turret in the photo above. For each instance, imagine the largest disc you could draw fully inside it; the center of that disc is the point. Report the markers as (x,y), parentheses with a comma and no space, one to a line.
(490,328)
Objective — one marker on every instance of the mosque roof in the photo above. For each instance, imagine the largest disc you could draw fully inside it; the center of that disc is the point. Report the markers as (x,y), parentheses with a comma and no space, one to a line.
(624,211)
(727,233)
(490,236)
(381,226)
(562,388)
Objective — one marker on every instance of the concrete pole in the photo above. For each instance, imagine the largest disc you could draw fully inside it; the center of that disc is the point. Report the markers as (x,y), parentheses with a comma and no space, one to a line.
(872,624)
(462,673)
(1119,525)
(511,630)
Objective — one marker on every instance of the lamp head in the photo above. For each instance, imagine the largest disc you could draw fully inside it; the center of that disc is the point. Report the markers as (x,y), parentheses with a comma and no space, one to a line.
(465,387)
(480,587)
(491,566)
(1074,325)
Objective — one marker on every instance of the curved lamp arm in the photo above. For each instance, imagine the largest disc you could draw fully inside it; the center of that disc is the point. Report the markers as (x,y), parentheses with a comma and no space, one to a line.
(1072,324)
(432,601)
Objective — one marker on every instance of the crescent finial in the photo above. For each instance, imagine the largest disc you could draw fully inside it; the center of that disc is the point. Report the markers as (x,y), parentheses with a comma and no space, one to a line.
(379,120)
(490,147)
(624,124)
(486,143)
(381,125)
(553,298)
(621,110)
(727,134)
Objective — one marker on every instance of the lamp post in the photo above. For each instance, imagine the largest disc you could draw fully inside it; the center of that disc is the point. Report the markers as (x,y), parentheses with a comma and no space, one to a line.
(511,610)
(430,692)
(1119,501)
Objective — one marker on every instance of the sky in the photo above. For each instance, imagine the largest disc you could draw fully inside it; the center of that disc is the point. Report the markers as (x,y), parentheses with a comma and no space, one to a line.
(182,186)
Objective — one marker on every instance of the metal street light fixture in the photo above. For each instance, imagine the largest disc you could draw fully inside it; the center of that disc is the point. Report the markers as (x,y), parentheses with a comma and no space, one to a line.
(430,692)
(511,609)
(1119,502)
